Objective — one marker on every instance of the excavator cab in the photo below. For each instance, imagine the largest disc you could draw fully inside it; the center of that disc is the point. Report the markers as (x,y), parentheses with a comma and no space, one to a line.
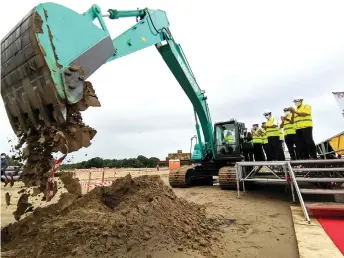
(227,138)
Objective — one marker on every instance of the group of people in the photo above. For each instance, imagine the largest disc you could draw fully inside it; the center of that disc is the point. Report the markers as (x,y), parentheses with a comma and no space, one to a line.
(295,128)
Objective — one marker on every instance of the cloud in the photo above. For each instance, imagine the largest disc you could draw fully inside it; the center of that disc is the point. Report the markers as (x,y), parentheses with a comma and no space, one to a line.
(247,56)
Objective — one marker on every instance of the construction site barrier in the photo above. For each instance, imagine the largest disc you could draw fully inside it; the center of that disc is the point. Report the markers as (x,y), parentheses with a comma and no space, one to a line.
(104,174)
(95,184)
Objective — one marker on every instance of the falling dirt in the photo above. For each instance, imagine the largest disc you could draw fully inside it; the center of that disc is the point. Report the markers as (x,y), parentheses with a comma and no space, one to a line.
(89,99)
(8,198)
(22,206)
(71,184)
(132,218)
(43,142)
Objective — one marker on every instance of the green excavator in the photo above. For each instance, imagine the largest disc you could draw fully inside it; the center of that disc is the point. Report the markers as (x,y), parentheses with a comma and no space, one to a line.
(46,58)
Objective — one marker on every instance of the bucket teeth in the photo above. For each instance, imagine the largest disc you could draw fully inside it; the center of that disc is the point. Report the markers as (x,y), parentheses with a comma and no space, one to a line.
(25,88)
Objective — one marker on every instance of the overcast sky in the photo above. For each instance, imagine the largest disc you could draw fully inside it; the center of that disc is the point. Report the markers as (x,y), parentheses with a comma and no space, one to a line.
(248,56)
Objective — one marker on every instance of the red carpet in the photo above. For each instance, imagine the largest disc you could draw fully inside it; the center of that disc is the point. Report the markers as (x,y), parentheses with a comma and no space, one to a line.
(332,222)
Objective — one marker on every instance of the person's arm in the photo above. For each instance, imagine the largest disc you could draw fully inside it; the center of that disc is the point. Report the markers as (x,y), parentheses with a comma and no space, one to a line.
(307,111)
(292,117)
(274,124)
(282,124)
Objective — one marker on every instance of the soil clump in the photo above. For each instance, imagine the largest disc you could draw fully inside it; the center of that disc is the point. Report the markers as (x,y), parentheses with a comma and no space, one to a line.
(134,217)
(40,144)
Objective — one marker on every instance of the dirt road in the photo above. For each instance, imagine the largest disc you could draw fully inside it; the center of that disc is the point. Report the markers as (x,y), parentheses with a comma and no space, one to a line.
(257,225)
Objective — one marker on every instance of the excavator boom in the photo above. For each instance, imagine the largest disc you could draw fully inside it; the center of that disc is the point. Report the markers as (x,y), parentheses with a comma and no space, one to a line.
(47,58)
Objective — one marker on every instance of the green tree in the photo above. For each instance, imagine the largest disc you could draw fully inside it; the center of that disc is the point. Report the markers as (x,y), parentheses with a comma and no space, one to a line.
(94,163)
(139,162)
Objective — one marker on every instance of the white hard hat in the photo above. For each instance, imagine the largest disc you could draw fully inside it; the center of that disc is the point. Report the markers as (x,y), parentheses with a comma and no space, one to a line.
(298,98)
(286,107)
(267,111)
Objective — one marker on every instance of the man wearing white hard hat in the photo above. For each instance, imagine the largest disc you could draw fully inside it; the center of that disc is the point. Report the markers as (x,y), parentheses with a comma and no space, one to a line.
(302,117)
(272,132)
(289,132)
(257,143)
(265,142)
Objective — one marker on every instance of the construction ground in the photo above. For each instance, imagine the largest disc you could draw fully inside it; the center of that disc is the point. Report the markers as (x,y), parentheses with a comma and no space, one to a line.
(263,223)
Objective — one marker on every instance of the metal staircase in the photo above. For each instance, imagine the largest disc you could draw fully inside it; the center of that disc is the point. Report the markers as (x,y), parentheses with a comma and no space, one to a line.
(321,171)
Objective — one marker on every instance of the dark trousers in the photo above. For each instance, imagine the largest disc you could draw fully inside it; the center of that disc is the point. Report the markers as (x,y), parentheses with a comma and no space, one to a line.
(267,152)
(280,155)
(305,146)
(258,152)
(248,155)
(3,173)
(290,140)
(275,148)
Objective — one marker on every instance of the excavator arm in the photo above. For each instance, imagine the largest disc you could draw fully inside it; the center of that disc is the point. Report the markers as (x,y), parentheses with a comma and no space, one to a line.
(48,56)
(146,33)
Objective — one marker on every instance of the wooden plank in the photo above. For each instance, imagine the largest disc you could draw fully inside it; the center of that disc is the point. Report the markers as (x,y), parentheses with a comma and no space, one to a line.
(325,206)
(321,191)
(311,238)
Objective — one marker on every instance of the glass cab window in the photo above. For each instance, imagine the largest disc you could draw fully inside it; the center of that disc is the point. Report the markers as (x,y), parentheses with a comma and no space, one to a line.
(226,139)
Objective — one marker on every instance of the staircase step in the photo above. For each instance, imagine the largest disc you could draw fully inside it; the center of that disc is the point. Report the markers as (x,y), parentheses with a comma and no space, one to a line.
(320,179)
(318,169)
(315,162)
(321,191)
(333,206)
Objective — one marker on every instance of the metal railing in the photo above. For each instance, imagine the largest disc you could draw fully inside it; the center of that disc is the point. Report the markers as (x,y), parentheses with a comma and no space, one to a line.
(286,173)
(295,184)
(251,176)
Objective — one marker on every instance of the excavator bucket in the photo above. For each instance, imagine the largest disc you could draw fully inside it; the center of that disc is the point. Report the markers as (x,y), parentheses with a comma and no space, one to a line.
(45,60)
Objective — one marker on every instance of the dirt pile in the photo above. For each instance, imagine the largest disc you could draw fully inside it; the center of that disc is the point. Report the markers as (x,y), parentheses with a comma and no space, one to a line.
(70,184)
(70,137)
(132,218)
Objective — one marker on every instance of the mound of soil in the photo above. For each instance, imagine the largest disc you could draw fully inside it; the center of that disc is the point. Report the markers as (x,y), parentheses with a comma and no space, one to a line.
(131,218)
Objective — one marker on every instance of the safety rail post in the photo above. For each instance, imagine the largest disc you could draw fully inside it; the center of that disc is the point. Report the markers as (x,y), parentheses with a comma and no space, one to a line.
(288,182)
(89,180)
(291,173)
(238,176)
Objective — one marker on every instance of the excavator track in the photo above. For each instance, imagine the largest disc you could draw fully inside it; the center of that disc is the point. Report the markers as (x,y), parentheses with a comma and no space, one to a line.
(227,178)
(181,177)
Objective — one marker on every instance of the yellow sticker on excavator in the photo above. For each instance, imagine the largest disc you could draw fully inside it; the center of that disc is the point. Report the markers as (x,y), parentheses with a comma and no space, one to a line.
(143,39)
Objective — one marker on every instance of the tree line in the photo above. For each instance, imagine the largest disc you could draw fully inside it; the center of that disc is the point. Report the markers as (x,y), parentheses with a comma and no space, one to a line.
(139,162)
